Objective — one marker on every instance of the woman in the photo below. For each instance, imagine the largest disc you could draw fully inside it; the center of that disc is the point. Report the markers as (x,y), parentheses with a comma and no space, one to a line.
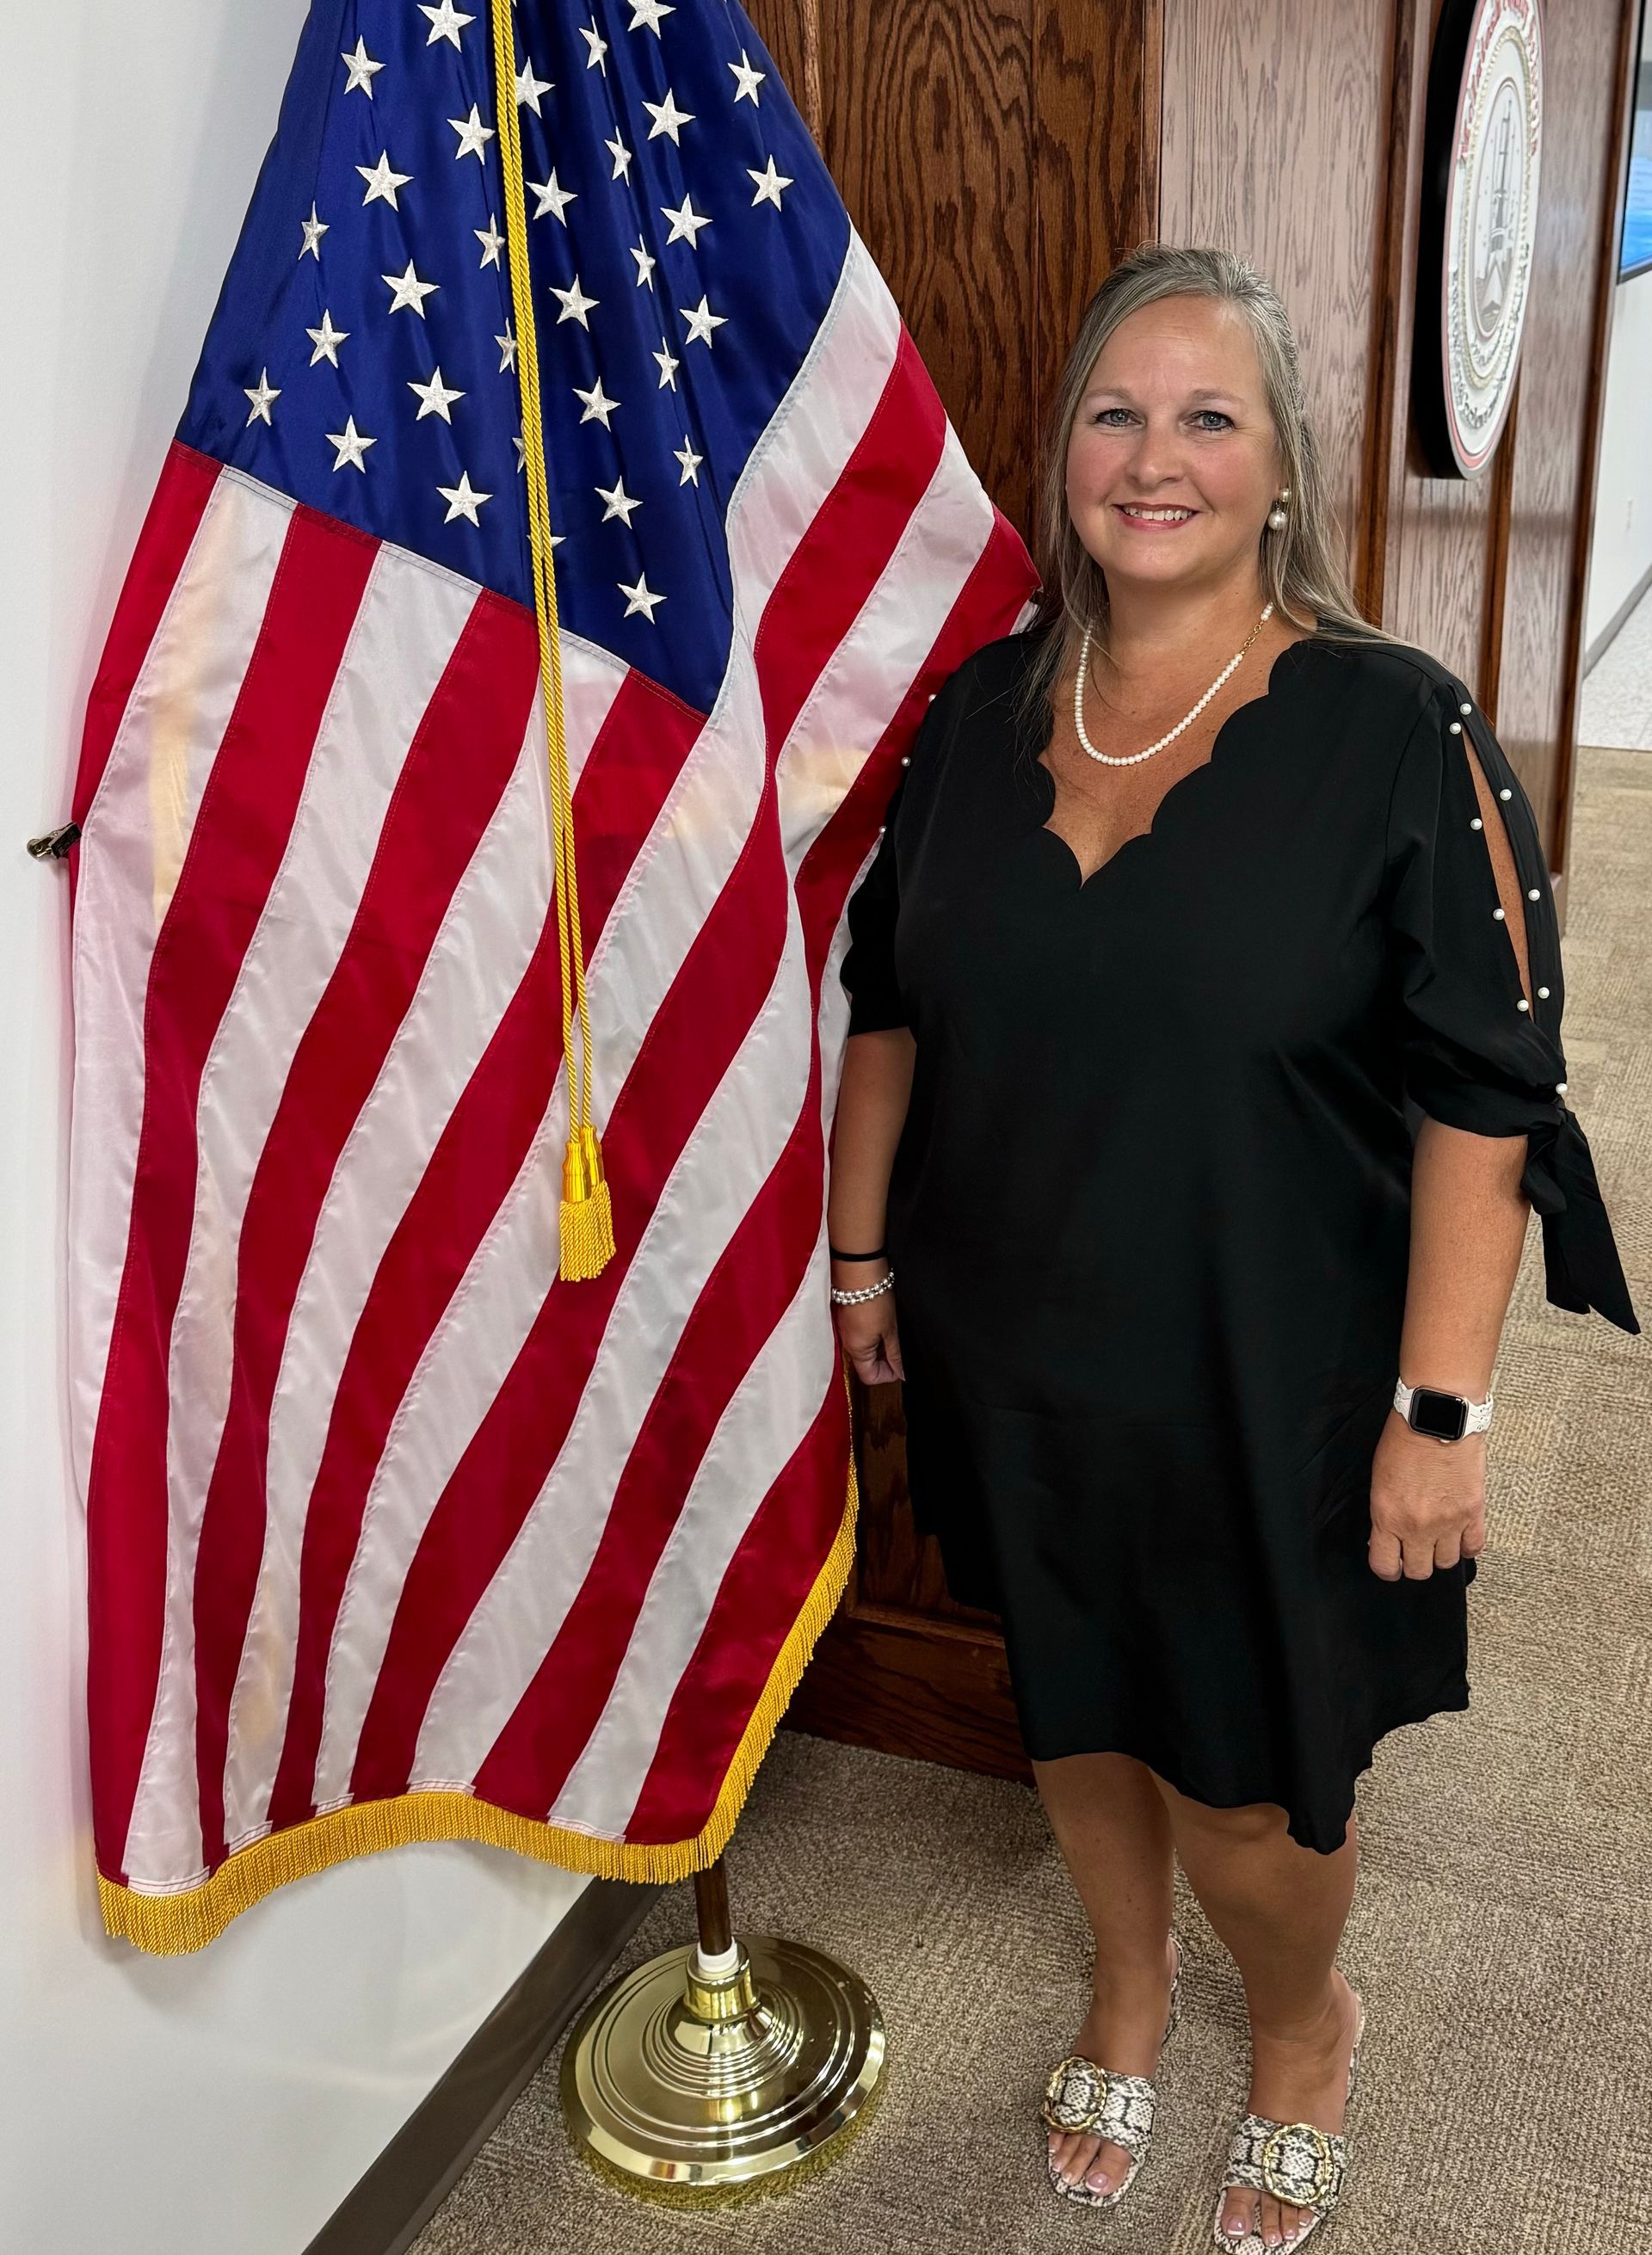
(1196,900)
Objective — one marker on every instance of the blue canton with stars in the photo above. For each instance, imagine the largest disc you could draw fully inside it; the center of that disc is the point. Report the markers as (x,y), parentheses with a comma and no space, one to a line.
(684,240)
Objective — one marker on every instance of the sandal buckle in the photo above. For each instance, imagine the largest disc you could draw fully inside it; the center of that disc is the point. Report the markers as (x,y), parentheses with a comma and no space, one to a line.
(1298,2165)
(1061,2111)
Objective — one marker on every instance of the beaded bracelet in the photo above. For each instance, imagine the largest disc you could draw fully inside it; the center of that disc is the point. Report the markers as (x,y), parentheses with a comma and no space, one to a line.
(869,1292)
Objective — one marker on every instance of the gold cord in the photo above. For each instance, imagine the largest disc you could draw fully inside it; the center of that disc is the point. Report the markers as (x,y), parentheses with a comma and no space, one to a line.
(586,1213)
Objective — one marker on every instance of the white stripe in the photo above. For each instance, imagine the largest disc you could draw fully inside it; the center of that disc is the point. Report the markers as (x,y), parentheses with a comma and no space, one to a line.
(722,1168)
(405,632)
(132,845)
(674,882)
(488,938)
(861,688)
(728,1156)
(777,1402)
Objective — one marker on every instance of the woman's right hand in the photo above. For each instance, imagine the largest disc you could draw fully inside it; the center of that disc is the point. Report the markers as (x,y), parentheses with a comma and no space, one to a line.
(867,1331)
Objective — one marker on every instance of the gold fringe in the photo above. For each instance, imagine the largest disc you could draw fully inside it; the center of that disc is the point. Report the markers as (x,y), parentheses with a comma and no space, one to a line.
(171,1926)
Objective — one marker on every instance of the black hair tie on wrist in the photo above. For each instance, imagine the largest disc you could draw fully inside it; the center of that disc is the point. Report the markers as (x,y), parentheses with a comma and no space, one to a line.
(882,1254)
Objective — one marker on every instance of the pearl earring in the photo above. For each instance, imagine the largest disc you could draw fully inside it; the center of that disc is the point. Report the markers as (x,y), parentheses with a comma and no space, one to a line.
(1276,514)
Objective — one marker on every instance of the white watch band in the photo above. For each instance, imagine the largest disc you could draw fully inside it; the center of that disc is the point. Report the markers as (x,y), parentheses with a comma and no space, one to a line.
(1479,1413)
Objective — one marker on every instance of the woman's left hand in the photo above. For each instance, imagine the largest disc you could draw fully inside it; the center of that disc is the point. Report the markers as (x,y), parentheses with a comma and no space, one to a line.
(1428,1501)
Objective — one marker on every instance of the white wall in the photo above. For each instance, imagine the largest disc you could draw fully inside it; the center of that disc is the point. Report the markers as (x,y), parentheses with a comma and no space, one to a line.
(1621,555)
(226,2101)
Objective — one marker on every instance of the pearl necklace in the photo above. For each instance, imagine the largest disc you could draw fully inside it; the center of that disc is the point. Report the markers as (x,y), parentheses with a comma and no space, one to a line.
(1135,759)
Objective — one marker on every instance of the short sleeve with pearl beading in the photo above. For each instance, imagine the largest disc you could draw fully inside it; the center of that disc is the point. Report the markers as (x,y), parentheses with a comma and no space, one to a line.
(1480,1054)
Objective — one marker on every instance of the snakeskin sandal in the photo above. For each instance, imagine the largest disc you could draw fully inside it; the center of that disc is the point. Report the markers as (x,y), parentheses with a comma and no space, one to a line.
(1300,2165)
(1116,2108)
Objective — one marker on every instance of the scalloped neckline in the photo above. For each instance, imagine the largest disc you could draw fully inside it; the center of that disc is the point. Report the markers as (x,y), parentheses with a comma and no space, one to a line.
(1264,695)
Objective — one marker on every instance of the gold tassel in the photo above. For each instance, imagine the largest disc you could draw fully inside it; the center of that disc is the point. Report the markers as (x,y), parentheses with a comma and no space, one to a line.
(587,1216)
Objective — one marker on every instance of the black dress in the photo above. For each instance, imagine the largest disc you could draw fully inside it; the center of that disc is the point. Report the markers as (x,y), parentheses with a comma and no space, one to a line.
(1150,1212)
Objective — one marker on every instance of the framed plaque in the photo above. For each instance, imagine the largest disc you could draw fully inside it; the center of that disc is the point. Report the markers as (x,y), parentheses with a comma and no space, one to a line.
(1480,165)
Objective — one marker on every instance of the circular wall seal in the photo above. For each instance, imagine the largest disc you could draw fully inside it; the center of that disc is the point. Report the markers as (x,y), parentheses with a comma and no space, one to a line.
(1481,152)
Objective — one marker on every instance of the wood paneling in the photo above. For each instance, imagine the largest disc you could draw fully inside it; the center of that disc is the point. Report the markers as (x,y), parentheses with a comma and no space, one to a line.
(1551,470)
(1274,122)
(1437,532)
(929,131)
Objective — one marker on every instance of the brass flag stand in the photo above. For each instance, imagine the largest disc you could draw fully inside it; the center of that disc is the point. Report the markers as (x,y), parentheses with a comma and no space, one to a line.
(723,2064)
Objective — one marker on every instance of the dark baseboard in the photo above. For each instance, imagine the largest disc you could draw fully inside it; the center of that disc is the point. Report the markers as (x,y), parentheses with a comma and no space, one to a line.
(391,2205)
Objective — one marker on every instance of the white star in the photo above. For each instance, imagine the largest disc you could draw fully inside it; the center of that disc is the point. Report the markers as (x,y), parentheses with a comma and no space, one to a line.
(640,597)
(529,88)
(446,22)
(645,264)
(598,405)
(701,321)
(352,445)
(645,16)
(474,134)
(668,368)
(382,182)
(491,240)
(667,117)
(770,184)
(434,397)
(620,503)
(326,340)
(691,462)
(686,223)
(599,47)
(507,345)
(407,290)
(746,79)
(575,305)
(622,156)
(521,445)
(362,68)
(261,394)
(313,230)
(463,500)
(553,197)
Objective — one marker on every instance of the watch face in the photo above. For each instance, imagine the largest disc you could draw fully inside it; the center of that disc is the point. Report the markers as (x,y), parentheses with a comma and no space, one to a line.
(1443,1417)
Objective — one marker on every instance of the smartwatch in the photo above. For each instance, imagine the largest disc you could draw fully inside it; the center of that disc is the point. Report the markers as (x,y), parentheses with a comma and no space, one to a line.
(1441,1416)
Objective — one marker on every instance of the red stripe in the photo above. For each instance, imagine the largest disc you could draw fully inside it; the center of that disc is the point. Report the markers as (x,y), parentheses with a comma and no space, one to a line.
(987,604)
(246,814)
(826,580)
(745,1296)
(627,775)
(179,502)
(463,753)
(694,1036)
(747,1292)
(754,1612)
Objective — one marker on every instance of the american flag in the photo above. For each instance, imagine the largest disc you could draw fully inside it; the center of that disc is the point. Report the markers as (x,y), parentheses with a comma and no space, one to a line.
(393,1534)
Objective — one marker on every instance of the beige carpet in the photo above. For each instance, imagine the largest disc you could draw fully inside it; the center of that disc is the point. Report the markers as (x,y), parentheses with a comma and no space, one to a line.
(1502,1935)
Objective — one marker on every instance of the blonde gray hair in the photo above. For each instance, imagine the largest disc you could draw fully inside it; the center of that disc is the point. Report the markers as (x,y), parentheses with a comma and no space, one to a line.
(1302,566)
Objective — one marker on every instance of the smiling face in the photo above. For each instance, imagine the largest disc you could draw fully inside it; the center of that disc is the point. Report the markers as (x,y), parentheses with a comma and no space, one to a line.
(1173,463)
